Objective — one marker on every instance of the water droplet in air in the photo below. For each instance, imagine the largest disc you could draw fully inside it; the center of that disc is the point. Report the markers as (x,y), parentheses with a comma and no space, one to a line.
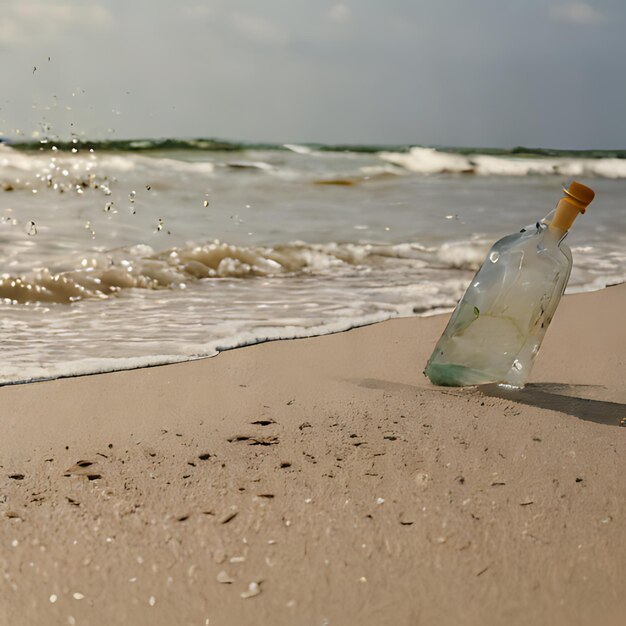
(494,256)
(31,229)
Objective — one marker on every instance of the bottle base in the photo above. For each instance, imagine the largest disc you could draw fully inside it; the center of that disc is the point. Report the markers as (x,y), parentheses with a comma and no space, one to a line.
(451,375)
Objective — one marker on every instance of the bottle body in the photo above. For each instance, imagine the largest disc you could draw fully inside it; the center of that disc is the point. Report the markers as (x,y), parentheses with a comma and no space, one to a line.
(497,328)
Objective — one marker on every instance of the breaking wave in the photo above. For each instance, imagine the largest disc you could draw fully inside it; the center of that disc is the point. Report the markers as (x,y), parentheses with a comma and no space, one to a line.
(100,275)
(116,158)
(431,161)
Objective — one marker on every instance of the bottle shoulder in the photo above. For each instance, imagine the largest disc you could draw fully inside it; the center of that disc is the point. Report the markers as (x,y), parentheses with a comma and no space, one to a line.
(540,243)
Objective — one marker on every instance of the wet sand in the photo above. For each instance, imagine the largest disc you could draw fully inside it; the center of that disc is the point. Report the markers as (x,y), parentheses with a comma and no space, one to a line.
(323,481)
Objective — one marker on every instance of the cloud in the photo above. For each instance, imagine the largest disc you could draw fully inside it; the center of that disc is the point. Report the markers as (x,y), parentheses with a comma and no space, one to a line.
(259,29)
(197,11)
(576,13)
(24,22)
(339,13)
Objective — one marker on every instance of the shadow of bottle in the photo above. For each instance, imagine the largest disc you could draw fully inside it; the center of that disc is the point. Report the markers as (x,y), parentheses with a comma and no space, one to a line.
(563,398)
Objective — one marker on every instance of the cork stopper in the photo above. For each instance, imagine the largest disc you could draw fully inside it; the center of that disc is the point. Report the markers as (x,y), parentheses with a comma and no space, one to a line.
(576,199)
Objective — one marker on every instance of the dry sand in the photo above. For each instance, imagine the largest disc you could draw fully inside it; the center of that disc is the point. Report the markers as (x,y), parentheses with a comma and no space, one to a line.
(329,474)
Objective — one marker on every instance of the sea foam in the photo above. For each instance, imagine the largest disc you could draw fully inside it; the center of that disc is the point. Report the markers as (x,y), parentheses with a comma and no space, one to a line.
(431,161)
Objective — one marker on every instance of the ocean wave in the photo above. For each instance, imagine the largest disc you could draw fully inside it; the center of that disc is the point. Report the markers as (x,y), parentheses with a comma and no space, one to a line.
(75,163)
(12,375)
(250,165)
(297,148)
(463,255)
(193,145)
(202,144)
(67,172)
(431,161)
(141,145)
(84,161)
(100,275)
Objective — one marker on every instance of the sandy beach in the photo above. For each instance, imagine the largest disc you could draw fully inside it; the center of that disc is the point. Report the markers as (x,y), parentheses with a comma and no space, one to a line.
(323,481)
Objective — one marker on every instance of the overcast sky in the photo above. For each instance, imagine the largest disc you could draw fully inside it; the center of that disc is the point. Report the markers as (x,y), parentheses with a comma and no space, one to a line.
(438,72)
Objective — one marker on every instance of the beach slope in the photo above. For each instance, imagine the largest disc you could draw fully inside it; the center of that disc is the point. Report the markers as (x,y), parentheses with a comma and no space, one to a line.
(323,481)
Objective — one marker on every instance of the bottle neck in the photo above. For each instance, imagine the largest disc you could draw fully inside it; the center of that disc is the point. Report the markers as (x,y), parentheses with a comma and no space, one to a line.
(566,212)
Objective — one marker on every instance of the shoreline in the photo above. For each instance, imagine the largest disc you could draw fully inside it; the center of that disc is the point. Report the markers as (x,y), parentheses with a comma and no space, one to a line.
(327,473)
(174,359)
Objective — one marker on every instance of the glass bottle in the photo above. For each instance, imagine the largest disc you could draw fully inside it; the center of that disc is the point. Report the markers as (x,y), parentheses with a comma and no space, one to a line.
(497,327)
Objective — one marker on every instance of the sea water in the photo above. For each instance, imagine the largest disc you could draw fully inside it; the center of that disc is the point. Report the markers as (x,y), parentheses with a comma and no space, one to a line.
(126,254)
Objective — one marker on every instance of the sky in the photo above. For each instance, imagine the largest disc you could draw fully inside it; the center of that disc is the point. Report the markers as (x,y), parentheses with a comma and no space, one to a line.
(498,73)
